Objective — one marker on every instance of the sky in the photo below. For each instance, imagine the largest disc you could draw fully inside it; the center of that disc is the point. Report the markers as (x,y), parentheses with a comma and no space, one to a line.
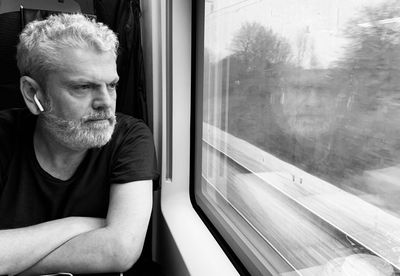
(321,22)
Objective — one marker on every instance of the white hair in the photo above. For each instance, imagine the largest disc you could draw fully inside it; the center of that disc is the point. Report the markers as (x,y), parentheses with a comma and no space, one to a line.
(41,42)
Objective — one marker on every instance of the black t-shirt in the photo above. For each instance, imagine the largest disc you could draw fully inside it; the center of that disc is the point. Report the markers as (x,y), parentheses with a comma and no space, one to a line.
(29,195)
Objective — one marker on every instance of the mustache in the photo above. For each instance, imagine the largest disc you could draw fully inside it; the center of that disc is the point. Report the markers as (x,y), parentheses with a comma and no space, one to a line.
(99,115)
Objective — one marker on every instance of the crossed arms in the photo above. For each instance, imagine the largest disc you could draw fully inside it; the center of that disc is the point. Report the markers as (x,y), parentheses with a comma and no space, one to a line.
(82,244)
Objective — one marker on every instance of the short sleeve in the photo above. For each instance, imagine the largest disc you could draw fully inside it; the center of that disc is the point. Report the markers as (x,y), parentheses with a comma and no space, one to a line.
(135,157)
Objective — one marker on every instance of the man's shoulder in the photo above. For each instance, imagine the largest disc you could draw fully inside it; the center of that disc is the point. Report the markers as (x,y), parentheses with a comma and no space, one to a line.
(130,132)
(128,119)
(128,124)
(133,152)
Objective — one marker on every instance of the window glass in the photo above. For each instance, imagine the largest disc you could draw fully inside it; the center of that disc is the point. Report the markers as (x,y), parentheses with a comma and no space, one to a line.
(300,150)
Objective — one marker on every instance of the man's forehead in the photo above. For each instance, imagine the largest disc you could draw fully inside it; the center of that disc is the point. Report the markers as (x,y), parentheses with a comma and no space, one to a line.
(87,54)
(86,64)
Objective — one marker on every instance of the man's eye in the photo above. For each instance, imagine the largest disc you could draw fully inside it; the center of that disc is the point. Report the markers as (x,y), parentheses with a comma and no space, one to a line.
(81,87)
(84,87)
(113,85)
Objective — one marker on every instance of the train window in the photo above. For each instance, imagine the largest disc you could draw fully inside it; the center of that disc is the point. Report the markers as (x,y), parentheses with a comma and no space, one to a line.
(300,147)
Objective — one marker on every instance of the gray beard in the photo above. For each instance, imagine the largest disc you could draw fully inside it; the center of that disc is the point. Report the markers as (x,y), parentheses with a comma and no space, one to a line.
(81,134)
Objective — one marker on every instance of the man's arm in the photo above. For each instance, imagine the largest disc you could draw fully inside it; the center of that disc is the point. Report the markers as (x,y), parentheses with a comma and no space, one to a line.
(23,247)
(113,248)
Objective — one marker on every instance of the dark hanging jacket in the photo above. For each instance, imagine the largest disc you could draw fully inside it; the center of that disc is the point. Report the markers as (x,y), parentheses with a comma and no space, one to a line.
(123,17)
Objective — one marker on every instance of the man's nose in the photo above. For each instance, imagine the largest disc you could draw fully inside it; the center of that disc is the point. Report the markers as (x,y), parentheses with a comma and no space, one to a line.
(103,97)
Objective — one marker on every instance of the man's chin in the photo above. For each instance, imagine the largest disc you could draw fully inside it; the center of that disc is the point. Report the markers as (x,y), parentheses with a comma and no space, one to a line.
(93,138)
(101,137)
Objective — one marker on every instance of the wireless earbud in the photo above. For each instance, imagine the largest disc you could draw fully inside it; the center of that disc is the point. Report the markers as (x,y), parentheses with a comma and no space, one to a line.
(39,105)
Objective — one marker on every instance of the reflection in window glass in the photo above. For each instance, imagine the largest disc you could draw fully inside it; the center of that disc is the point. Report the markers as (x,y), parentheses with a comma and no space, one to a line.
(301,133)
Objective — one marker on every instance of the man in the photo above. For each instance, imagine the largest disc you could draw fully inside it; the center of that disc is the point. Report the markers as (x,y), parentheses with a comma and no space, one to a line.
(75,179)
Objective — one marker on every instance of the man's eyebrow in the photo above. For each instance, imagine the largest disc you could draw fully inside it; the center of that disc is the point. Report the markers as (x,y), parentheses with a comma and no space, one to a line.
(78,80)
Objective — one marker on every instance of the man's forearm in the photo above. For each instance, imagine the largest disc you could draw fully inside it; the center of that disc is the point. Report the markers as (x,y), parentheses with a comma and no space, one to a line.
(113,248)
(23,247)
(97,251)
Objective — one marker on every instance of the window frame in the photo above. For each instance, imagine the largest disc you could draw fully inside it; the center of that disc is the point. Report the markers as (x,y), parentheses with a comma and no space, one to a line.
(178,222)
(243,260)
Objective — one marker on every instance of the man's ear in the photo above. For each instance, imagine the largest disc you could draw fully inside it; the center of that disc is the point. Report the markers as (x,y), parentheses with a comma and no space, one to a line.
(29,88)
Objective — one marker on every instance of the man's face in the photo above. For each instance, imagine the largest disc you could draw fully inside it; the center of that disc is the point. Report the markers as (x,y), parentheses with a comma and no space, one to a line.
(308,111)
(307,108)
(82,97)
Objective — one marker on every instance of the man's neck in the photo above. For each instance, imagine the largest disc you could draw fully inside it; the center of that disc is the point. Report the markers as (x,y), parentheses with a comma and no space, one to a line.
(55,158)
